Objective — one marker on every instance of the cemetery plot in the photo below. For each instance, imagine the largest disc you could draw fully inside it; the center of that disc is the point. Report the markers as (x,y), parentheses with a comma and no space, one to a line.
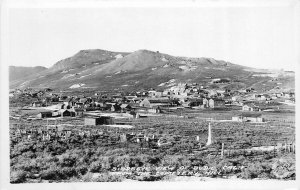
(66,150)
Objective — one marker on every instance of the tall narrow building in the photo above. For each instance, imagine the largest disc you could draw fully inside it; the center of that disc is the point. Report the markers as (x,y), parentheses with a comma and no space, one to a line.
(209,135)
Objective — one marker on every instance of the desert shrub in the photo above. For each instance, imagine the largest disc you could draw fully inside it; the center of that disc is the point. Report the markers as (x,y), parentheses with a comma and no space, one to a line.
(135,162)
(31,166)
(106,163)
(67,160)
(105,177)
(87,177)
(196,161)
(74,179)
(21,147)
(95,166)
(17,176)
(256,170)
(29,154)
(150,160)
(168,177)
(184,161)
(115,152)
(50,174)
(148,178)
(121,161)
(170,160)
(283,168)
(67,172)
(81,169)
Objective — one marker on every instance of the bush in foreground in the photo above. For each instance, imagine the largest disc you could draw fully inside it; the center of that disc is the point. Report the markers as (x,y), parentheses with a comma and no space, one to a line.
(18,176)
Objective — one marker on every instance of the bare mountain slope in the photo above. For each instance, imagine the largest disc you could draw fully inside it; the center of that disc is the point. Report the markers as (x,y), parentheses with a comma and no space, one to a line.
(17,73)
(86,57)
(100,69)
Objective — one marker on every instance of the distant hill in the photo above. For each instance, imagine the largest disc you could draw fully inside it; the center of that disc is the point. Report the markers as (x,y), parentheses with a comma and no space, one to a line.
(86,57)
(106,70)
(16,73)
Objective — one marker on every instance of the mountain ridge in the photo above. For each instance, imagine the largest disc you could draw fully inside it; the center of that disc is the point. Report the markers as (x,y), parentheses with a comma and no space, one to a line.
(102,69)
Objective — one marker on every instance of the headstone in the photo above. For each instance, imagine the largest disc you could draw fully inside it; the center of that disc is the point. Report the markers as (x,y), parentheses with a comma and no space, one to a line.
(290,147)
(285,147)
(279,147)
(222,150)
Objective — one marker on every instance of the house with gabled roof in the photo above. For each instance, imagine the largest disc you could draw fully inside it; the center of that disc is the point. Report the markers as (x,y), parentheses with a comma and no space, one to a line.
(37,104)
(151,102)
(213,103)
(248,117)
(250,107)
(125,107)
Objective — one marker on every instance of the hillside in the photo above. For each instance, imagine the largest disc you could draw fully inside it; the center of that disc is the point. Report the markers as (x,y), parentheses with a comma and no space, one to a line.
(105,70)
(86,57)
(17,73)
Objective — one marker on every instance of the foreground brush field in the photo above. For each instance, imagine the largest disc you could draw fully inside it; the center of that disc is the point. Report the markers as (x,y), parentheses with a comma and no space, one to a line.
(161,148)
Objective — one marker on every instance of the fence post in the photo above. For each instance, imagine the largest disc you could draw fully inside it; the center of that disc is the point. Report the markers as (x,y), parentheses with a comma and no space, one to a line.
(290,147)
(279,146)
(285,148)
(222,150)
(294,147)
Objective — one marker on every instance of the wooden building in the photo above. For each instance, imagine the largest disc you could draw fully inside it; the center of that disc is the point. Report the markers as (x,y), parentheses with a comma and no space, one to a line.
(44,114)
(251,107)
(248,117)
(102,120)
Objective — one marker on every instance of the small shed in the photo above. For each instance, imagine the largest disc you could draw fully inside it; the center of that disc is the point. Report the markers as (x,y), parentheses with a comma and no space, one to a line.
(79,111)
(37,104)
(125,107)
(248,117)
(44,114)
(102,120)
(145,103)
(64,113)
(250,107)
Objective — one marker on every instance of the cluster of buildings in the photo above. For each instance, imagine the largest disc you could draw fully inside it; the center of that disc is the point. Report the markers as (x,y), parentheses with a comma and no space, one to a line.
(151,101)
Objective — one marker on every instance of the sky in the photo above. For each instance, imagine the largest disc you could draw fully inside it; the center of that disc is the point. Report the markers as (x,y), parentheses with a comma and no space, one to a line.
(254,36)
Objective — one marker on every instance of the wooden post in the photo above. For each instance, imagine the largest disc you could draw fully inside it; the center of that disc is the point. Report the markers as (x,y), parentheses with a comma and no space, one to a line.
(294,147)
(222,150)
(279,146)
(285,148)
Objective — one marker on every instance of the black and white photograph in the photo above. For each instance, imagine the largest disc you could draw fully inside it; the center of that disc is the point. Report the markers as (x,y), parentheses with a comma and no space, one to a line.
(135,93)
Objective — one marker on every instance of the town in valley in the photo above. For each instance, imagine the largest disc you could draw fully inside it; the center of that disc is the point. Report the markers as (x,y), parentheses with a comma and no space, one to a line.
(190,117)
